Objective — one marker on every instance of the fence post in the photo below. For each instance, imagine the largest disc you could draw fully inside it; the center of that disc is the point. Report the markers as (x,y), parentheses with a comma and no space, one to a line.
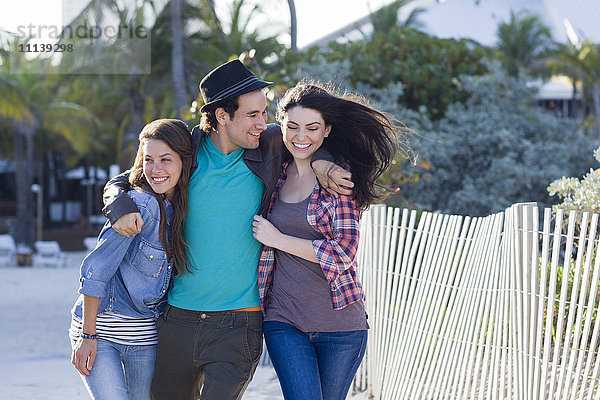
(524,287)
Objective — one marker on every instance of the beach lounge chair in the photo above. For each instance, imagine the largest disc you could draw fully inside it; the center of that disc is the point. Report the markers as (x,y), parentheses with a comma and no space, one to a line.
(49,254)
(90,243)
(7,251)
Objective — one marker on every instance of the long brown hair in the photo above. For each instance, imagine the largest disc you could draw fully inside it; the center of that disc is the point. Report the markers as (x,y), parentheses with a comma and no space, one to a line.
(177,136)
(361,135)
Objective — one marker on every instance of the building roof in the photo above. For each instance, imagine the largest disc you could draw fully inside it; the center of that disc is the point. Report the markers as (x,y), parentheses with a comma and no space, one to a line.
(556,88)
(478,19)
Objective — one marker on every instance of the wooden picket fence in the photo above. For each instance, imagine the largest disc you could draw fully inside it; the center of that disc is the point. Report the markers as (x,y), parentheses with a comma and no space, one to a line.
(480,308)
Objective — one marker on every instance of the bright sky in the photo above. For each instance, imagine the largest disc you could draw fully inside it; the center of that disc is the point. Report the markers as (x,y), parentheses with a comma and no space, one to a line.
(27,15)
(316,18)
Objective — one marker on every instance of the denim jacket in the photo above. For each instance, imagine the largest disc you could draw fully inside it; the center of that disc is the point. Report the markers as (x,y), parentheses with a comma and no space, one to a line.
(130,275)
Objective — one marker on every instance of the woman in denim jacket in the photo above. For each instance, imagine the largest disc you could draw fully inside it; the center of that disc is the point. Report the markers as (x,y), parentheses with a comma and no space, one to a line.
(124,280)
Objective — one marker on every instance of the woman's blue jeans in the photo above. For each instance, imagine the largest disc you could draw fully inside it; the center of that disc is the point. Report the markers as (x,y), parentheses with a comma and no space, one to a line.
(314,365)
(121,372)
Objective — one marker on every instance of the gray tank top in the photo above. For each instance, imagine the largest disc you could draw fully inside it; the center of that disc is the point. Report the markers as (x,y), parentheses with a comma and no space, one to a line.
(300,294)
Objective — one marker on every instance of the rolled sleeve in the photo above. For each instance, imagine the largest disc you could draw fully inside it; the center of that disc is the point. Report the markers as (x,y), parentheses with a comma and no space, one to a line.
(92,288)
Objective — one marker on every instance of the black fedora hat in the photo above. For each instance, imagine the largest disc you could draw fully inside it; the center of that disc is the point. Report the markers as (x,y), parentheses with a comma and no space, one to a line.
(227,81)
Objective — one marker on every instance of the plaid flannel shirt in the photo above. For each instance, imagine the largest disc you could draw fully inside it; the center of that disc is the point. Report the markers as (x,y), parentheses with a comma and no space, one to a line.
(337,219)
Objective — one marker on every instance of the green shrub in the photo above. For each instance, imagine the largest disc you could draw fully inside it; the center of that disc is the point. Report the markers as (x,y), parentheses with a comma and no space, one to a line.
(579,194)
(495,149)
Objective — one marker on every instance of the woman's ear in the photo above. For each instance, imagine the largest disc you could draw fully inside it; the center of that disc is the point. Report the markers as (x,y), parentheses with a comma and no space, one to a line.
(327,130)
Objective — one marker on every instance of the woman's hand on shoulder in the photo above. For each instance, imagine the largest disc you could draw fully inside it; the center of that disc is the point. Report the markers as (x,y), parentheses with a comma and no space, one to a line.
(265,232)
(84,355)
(333,178)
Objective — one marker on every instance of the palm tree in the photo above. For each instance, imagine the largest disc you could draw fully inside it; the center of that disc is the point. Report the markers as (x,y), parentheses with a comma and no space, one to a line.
(523,42)
(19,118)
(293,26)
(177,58)
(581,61)
(206,41)
(118,55)
(215,41)
(28,107)
(238,37)
(386,18)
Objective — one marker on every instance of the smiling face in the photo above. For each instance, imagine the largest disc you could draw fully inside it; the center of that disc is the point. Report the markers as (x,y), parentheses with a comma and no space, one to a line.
(244,128)
(303,131)
(162,167)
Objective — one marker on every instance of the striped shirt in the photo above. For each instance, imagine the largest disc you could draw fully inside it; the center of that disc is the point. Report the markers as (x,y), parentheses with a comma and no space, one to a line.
(337,219)
(120,329)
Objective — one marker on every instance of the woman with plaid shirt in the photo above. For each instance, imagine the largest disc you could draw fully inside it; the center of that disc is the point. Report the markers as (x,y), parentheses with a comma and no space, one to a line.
(315,324)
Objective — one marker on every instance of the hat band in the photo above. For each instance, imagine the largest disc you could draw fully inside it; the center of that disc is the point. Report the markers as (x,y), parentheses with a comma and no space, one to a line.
(234,88)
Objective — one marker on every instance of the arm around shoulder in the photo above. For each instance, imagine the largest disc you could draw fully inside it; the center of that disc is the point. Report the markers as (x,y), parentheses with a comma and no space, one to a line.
(116,201)
(322,154)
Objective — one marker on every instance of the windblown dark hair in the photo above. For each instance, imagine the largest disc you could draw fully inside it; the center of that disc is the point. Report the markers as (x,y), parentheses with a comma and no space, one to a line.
(360,135)
(177,136)
(208,122)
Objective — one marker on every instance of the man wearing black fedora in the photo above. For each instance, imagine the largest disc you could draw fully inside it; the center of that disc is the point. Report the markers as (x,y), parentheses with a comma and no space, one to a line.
(210,335)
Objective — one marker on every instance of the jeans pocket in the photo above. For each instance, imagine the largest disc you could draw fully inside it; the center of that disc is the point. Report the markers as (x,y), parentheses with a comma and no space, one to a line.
(363,346)
(254,339)
(160,321)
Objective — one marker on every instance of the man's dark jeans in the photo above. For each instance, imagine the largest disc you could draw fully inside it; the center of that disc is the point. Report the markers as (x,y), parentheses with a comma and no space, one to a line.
(212,352)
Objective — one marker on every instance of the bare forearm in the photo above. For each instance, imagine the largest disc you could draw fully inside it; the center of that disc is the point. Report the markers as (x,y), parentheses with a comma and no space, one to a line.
(302,248)
(266,233)
(90,310)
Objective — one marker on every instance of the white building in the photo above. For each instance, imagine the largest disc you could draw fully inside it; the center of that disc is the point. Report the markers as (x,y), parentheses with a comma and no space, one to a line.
(478,20)
(568,20)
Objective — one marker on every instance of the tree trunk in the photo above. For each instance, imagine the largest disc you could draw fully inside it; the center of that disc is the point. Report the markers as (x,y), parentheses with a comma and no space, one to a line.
(87,181)
(98,15)
(574,100)
(23,230)
(177,56)
(596,105)
(293,26)
(136,105)
(217,27)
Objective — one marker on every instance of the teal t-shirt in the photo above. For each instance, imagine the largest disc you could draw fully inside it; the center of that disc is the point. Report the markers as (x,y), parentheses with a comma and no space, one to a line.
(224,196)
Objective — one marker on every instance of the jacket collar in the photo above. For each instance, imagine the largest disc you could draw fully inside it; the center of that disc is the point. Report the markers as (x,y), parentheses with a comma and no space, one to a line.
(253,155)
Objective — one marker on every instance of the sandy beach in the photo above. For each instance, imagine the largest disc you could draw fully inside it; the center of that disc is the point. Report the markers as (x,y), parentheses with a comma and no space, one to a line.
(35,355)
